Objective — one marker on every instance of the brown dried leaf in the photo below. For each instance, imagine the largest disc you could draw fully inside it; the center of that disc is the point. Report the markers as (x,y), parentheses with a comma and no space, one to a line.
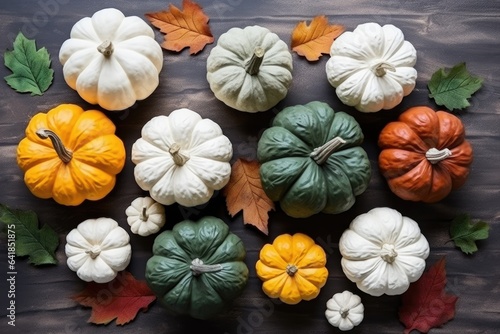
(186,28)
(315,39)
(244,192)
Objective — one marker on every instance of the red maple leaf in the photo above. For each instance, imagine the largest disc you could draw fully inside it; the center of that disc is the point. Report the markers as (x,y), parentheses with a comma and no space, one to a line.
(120,299)
(425,304)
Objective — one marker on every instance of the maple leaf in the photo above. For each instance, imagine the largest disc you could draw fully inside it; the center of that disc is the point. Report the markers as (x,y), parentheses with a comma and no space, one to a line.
(244,192)
(315,39)
(464,233)
(186,28)
(453,88)
(425,304)
(120,299)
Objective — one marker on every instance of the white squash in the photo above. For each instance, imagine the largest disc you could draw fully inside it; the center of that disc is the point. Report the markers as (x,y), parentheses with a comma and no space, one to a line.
(250,69)
(383,252)
(344,310)
(97,249)
(112,60)
(145,216)
(182,158)
(372,67)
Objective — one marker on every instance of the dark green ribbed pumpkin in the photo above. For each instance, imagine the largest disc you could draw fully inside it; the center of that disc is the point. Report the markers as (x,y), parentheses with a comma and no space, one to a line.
(197,268)
(311,160)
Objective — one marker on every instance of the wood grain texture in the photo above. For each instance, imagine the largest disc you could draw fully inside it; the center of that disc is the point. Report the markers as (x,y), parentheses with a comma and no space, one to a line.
(444,32)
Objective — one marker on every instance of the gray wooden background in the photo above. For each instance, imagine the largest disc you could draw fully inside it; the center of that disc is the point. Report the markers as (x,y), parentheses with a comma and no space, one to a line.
(444,32)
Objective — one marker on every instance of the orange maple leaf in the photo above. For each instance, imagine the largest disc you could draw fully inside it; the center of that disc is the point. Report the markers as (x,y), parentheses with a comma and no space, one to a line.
(120,299)
(244,192)
(186,28)
(315,39)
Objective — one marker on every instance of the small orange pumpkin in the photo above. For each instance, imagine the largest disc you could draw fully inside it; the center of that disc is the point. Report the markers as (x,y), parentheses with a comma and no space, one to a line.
(70,155)
(292,268)
(424,155)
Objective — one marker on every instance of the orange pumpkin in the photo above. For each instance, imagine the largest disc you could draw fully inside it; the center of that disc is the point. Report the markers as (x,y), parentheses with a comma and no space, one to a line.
(70,155)
(424,155)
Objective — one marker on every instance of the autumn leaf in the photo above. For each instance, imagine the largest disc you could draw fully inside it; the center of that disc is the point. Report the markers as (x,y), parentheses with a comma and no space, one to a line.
(186,28)
(425,304)
(452,88)
(315,39)
(244,192)
(464,233)
(120,299)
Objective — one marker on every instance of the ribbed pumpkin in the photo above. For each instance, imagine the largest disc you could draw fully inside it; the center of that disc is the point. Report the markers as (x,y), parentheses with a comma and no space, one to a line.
(70,155)
(197,268)
(292,268)
(312,160)
(424,155)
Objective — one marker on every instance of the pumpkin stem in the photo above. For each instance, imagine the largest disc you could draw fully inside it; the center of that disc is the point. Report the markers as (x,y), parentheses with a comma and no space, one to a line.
(64,154)
(144,215)
(179,158)
(253,64)
(94,252)
(434,155)
(322,153)
(198,267)
(381,69)
(291,269)
(388,253)
(344,312)
(106,48)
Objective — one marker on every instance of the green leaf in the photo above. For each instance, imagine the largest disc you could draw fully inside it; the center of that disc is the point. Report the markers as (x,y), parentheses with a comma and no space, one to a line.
(38,244)
(31,72)
(453,88)
(464,233)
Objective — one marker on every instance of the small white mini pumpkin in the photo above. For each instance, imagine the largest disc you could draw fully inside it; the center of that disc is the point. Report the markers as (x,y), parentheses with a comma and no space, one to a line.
(344,310)
(145,216)
(182,158)
(372,67)
(383,252)
(112,60)
(250,69)
(97,249)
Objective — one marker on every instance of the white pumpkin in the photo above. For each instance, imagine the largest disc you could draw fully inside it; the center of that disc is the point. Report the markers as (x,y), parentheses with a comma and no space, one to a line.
(372,67)
(182,158)
(145,216)
(344,310)
(383,252)
(250,69)
(97,249)
(112,60)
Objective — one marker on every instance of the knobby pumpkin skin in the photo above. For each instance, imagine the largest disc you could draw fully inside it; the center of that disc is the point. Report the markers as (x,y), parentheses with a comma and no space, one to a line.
(424,155)
(197,268)
(70,155)
(292,268)
(311,160)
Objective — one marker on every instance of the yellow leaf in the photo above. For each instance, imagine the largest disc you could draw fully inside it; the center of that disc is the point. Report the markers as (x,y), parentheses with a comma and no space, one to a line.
(244,192)
(315,39)
(186,28)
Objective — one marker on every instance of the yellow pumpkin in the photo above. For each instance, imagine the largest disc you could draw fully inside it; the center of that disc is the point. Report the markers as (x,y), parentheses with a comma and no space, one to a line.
(292,268)
(70,155)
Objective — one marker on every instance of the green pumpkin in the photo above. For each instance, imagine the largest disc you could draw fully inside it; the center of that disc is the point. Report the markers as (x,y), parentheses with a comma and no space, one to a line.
(311,160)
(197,268)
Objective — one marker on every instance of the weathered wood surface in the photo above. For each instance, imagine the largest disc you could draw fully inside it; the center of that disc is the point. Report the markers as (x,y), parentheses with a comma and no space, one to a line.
(444,32)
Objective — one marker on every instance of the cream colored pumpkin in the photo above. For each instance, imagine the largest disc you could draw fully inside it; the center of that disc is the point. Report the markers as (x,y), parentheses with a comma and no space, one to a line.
(97,249)
(112,60)
(344,310)
(250,69)
(182,158)
(372,67)
(145,216)
(383,252)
